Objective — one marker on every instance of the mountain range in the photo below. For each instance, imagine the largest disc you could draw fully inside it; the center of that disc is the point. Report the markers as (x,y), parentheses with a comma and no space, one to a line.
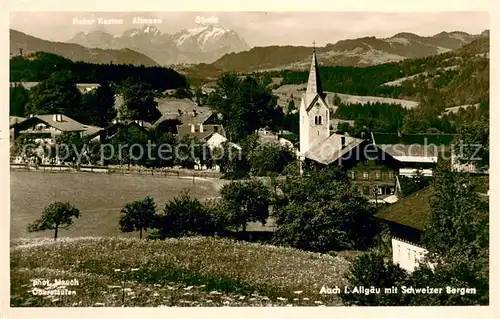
(29,44)
(203,44)
(352,52)
(218,48)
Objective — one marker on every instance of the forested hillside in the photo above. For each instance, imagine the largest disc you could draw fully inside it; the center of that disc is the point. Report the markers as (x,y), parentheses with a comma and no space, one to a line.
(362,52)
(456,78)
(40,65)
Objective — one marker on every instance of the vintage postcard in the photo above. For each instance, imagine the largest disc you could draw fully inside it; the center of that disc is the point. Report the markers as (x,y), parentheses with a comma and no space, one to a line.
(180,159)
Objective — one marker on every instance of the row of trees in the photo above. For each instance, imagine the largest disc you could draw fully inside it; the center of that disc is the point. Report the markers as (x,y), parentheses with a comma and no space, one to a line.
(41,65)
(376,117)
(319,211)
(58,94)
(456,238)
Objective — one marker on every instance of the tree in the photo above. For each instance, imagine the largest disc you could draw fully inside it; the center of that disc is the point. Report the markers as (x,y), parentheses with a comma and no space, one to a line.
(56,95)
(410,185)
(271,158)
(55,216)
(138,216)
(246,201)
(245,105)
(71,147)
(122,141)
(369,270)
(472,144)
(185,216)
(182,93)
(19,98)
(321,211)
(139,101)
(458,227)
(98,106)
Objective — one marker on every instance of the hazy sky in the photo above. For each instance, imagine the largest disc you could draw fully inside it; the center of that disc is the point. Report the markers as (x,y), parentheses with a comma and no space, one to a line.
(261,28)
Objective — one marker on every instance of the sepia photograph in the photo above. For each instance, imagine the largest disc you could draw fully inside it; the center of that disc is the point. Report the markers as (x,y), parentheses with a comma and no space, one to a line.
(248,159)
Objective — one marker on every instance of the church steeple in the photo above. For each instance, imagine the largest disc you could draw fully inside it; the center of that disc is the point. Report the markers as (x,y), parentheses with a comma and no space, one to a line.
(314,83)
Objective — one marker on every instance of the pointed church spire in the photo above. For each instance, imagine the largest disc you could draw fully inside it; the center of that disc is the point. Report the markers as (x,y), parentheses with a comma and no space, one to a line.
(314,83)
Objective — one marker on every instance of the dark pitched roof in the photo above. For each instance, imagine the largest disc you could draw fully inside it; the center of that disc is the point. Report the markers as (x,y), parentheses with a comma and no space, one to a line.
(15,119)
(186,111)
(66,124)
(208,130)
(407,139)
(412,211)
(419,150)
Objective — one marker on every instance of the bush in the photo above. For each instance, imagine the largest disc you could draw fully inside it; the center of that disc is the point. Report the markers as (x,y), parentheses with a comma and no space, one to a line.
(367,271)
(185,216)
(323,212)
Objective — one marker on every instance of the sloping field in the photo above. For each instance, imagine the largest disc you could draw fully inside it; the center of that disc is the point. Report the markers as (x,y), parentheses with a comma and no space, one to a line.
(295,92)
(100,197)
(399,81)
(196,271)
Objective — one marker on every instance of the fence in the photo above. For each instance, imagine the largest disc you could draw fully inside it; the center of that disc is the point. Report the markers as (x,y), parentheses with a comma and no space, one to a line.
(123,170)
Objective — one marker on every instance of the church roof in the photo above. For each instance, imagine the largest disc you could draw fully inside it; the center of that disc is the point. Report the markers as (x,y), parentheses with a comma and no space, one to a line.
(330,149)
(314,86)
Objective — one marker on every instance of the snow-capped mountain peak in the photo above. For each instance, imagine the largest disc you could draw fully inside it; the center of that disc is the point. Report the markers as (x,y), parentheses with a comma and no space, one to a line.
(147,30)
(204,43)
(209,38)
(151,30)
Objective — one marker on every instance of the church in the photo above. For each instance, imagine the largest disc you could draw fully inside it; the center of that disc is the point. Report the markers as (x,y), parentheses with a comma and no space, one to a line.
(374,171)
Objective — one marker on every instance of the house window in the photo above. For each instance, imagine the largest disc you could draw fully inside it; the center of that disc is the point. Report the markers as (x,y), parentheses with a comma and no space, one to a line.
(380,190)
(377,175)
(409,253)
(415,256)
(320,120)
(365,175)
(216,128)
(391,190)
(390,175)
(352,174)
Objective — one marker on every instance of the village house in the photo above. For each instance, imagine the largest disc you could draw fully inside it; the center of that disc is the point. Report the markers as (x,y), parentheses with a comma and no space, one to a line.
(45,128)
(211,135)
(415,151)
(407,220)
(110,131)
(182,112)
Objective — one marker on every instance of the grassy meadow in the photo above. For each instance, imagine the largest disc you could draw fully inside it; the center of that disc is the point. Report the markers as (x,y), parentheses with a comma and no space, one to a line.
(195,271)
(100,197)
